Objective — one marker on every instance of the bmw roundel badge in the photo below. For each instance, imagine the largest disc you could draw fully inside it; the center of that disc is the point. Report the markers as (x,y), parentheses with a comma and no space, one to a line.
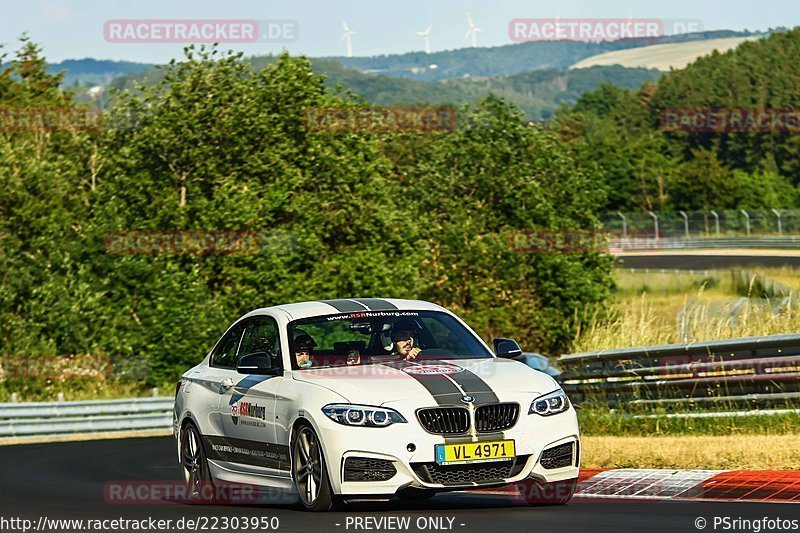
(467,399)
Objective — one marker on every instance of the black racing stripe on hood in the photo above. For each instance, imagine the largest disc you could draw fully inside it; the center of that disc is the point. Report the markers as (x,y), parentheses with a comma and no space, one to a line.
(443,390)
(376,304)
(346,306)
(475,387)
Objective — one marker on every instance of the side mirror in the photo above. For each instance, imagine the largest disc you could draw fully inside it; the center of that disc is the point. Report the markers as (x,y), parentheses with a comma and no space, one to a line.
(506,348)
(258,363)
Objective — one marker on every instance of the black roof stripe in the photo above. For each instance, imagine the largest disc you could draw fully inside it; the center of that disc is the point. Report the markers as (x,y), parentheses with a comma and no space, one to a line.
(346,306)
(376,304)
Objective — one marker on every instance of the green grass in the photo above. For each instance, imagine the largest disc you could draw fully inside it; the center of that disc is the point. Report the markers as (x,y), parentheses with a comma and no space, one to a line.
(45,390)
(600,420)
(632,283)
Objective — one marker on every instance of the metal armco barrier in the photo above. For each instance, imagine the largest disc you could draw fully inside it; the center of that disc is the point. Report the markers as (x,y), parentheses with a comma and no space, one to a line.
(786,242)
(53,418)
(745,373)
(760,372)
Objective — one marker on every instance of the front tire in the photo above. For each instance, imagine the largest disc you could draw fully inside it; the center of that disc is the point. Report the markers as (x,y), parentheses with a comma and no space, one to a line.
(199,485)
(309,472)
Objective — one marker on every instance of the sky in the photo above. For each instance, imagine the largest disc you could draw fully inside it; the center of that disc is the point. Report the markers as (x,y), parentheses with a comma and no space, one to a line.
(73,29)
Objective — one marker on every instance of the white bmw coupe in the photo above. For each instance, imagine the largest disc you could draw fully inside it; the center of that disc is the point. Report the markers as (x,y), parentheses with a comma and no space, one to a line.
(342,399)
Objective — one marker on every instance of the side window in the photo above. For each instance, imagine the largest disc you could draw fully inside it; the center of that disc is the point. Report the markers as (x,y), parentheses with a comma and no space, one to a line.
(225,353)
(261,335)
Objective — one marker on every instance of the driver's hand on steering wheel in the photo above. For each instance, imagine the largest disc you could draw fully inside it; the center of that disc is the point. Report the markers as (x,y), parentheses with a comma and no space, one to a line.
(413,354)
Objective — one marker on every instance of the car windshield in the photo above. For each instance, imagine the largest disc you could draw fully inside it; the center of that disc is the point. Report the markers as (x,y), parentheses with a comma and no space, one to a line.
(379,336)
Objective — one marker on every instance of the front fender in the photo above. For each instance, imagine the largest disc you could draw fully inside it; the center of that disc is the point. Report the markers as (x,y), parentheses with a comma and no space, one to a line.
(303,402)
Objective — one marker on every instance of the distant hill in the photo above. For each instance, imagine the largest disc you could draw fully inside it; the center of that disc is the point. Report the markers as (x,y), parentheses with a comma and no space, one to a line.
(542,92)
(90,71)
(452,64)
(753,163)
(662,56)
(533,75)
(537,93)
(509,59)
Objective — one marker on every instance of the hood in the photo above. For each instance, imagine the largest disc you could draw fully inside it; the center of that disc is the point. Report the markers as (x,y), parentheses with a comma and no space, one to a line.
(431,381)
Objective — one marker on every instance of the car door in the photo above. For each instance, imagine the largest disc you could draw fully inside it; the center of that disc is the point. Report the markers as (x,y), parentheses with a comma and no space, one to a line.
(247,408)
(206,382)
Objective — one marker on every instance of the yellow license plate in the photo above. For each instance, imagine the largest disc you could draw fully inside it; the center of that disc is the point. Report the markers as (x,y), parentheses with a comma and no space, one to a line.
(473,452)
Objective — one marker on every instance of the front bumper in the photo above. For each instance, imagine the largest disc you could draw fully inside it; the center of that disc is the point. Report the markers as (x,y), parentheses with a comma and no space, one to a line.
(410,450)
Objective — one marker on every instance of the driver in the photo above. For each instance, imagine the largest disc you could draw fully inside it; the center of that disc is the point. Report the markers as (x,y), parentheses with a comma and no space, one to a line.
(403,334)
(303,348)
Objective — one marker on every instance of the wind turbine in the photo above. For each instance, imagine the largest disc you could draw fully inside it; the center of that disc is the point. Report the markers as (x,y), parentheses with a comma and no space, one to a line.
(426,35)
(472,31)
(347,37)
(558,26)
(629,25)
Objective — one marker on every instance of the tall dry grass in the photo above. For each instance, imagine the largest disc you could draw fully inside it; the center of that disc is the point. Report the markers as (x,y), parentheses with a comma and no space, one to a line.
(646,311)
(787,275)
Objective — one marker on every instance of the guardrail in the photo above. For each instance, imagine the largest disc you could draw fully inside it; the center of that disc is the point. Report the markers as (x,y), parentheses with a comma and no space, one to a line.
(632,244)
(748,372)
(751,372)
(53,418)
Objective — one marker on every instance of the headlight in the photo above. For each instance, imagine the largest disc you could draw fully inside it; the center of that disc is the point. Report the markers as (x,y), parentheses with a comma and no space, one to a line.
(550,404)
(362,415)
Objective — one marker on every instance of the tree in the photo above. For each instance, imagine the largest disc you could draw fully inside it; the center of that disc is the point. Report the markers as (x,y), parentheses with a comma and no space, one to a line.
(216,145)
(702,183)
(219,146)
(47,302)
(765,190)
(476,187)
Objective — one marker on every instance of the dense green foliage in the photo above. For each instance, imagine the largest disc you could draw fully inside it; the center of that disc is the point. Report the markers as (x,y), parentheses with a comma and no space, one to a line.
(472,188)
(218,145)
(646,167)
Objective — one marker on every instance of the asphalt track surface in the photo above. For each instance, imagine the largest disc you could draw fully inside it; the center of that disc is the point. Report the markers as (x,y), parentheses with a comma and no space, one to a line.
(66,480)
(689,261)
